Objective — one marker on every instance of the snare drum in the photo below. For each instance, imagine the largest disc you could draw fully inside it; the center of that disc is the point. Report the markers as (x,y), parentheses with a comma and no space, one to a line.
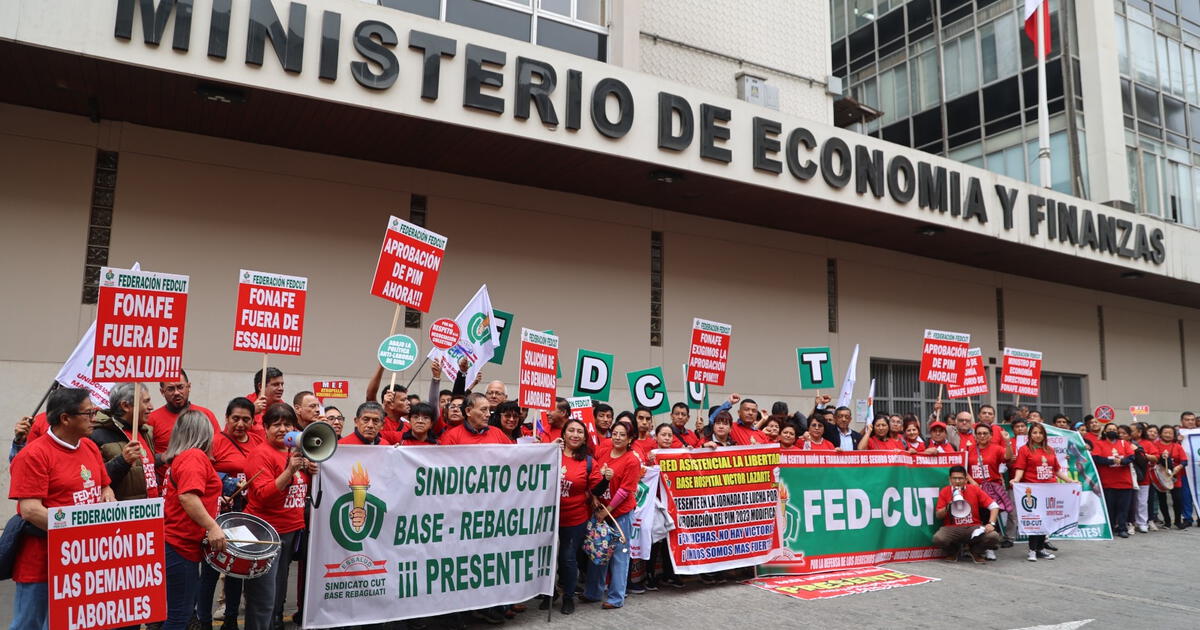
(241,559)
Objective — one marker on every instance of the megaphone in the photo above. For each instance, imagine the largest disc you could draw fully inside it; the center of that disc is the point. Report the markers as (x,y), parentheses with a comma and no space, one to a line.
(317,442)
(959,508)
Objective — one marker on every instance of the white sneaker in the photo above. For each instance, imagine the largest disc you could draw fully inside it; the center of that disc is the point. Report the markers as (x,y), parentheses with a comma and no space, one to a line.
(990,555)
(1143,529)
(1152,526)
(1045,554)
(1130,528)
(1032,556)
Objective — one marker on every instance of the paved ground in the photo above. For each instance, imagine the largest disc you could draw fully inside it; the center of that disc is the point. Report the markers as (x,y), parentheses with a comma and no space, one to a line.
(1147,581)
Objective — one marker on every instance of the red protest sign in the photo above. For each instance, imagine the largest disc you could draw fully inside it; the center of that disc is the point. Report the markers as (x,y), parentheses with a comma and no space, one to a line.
(1139,410)
(974,382)
(539,369)
(582,410)
(1021,372)
(270,313)
(709,355)
(408,266)
(331,389)
(139,326)
(944,357)
(107,565)
(444,333)
(838,583)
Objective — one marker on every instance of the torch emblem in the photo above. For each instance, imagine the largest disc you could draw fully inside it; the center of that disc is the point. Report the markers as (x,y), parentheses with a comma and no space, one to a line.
(359,482)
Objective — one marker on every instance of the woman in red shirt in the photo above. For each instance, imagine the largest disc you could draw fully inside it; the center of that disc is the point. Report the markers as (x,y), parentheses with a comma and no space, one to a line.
(664,435)
(814,438)
(192,490)
(1171,456)
(983,467)
(1145,466)
(277,495)
(787,438)
(581,481)
(879,439)
(229,448)
(1037,463)
(771,428)
(620,498)
(910,440)
(420,427)
(1112,457)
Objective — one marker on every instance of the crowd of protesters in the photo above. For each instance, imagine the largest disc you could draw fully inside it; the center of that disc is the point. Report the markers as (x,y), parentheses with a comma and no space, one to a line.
(203,466)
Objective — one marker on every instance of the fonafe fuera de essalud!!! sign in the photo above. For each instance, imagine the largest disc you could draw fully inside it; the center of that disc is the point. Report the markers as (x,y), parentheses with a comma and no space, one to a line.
(793,152)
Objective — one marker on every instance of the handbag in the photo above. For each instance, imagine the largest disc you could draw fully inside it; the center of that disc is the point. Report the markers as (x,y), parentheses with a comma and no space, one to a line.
(602,537)
(10,543)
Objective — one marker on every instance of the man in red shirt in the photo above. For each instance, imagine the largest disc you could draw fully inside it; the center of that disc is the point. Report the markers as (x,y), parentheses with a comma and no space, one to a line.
(963,528)
(273,394)
(679,418)
(176,400)
(368,421)
(61,469)
(555,419)
(965,433)
(476,430)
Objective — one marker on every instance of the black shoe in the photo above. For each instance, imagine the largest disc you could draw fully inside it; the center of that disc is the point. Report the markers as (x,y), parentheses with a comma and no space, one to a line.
(568,605)
(675,582)
(1180,525)
(488,615)
(545,603)
(651,585)
(1047,545)
(1123,534)
(707,578)
(1006,543)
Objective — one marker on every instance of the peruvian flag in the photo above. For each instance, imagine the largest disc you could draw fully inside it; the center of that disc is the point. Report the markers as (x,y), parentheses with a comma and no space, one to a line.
(1031,25)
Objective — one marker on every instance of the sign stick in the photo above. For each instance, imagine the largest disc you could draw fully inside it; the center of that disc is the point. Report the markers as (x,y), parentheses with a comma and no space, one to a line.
(970,407)
(53,386)
(262,382)
(137,411)
(395,320)
(410,381)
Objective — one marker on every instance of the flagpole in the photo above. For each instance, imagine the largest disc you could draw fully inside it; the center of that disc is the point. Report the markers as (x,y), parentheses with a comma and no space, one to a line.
(1043,108)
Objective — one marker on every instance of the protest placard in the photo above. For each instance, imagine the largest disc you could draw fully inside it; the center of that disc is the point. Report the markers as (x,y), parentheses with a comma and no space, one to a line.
(709,354)
(974,381)
(397,353)
(648,389)
(331,389)
(944,356)
(503,327)
(593,374)
(420,532)
(539,365)
(1139,410)
(477,342)
(725,505)
(581,410)
(107,565)
(444,333)
(696,394)
(1191,446)
(140,317)
(1075,458)
(838,583)
(1047,509)
(409,263)
(270,313)
(857,509)
(816,367)
(1021,372)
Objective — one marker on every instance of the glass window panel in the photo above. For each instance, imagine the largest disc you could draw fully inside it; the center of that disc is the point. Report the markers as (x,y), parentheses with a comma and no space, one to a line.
(1014,162)
(590,11)
(987,52)
(1122,48)
(903,103)
(1131,162)
(1185,211)
(1126,97)
(1175,115)
(887,96)
(1189,76)
(1141,49)
(966,52)
(1175,56)
(1049,390)
(561,7)
(1188,213)
(489,17)
(950,62)
(864,12)
(1151,200)
(567,38)
(1060,163)
(1147,105)
(1164,66)
(427,8)
(1006,41)
(838,19)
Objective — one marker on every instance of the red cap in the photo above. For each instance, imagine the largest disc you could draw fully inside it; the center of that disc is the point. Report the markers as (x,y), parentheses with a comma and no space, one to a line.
(937,425)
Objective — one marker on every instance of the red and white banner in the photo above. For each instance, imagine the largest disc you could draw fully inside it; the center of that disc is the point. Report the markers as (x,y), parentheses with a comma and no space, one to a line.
(1032,21)
(582,410)
(709,355)
(539,369)
(140,318)
(974,382)
(270,313)
(107,566)
(409,263)
(1021,372)
(1139,410)
(838,583)
(944,357)
(444,333)
(331,389)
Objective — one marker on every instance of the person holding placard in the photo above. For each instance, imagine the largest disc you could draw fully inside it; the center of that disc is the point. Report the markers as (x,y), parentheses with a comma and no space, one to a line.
(192,490)
(938,442)
(130,462)
(60,469)
(1038,463)
(266,393)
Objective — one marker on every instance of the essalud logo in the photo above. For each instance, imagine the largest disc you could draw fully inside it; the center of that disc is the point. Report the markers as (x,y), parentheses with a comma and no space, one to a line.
(479,329)
(356,515)
(1029,502)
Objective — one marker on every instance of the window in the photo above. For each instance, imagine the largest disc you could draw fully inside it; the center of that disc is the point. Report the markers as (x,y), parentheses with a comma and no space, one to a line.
(893,94)
(997,41)
(1122,47)
(898,390)
(837,20)
(864,12)
(925,89)
(1141,49)
(1059,393)
(958,57)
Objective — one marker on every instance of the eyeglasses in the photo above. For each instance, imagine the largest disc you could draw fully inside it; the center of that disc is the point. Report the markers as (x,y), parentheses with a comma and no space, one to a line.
(91,413)
(328,417)
(170,389)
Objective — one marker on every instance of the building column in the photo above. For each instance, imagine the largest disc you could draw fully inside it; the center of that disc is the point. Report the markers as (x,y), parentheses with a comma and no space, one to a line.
(1108,175)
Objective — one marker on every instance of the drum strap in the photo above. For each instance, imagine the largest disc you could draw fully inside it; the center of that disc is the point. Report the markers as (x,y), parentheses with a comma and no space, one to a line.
(234,443)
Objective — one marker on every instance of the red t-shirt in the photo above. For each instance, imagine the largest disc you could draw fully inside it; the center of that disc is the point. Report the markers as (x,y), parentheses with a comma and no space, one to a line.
(983,464)
(59,476)
(890,444)
(190,471)
(39,427)
(573,507)
(746,435)
(408,439)
(809,445)
(685,438)
(1151,447)
(643,447)
(257,427)
(460,435)
(966,441)
(1178,457)
(1115,477)
(163,421)
(353,438)
(942,447)
(283,510)
(1040,465)
(976,498)
(548,434)
(391,424)
(229,455)
(627,470)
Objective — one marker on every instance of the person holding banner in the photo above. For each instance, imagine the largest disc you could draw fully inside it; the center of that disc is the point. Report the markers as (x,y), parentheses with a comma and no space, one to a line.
(192,491)
(273,388)
(130,462)
(814,438)
(938,439)
(476,430)
(1113,457)
(839,432)
(508,420)
(277,495)
(368,421)
(787,438)
(59,470)
(617,504)
(964,528)
(880,438)
(722,431)
(1173,458)
(679,417)
(1038,463)
(581,481)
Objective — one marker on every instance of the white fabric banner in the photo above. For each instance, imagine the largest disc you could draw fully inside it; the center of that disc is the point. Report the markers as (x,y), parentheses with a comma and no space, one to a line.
(479,340)
(1047,509)
(645,515)
(427,530)
(846,396)
(1191,449)
(77,371)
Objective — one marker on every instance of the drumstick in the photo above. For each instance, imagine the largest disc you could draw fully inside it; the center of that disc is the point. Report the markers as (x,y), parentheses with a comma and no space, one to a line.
(253,542)
(243,488)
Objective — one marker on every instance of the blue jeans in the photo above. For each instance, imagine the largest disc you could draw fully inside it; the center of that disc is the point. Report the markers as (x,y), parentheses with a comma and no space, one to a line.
(570,541)
(31,606)
(1187,498)
(208,588)
(183,579)
(265,594)
(617,570)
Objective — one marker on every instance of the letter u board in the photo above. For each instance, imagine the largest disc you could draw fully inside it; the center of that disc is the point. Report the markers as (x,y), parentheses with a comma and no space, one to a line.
(539,364)
(816,368)
(270,313)
(709,354)
(107,565)
(593,374)
(974,381)
(1021,372)
(648,388)
(695,393)
(944,357)
(409,262)
(140,317)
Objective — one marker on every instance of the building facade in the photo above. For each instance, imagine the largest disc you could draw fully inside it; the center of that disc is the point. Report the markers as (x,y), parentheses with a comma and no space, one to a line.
(611,197)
